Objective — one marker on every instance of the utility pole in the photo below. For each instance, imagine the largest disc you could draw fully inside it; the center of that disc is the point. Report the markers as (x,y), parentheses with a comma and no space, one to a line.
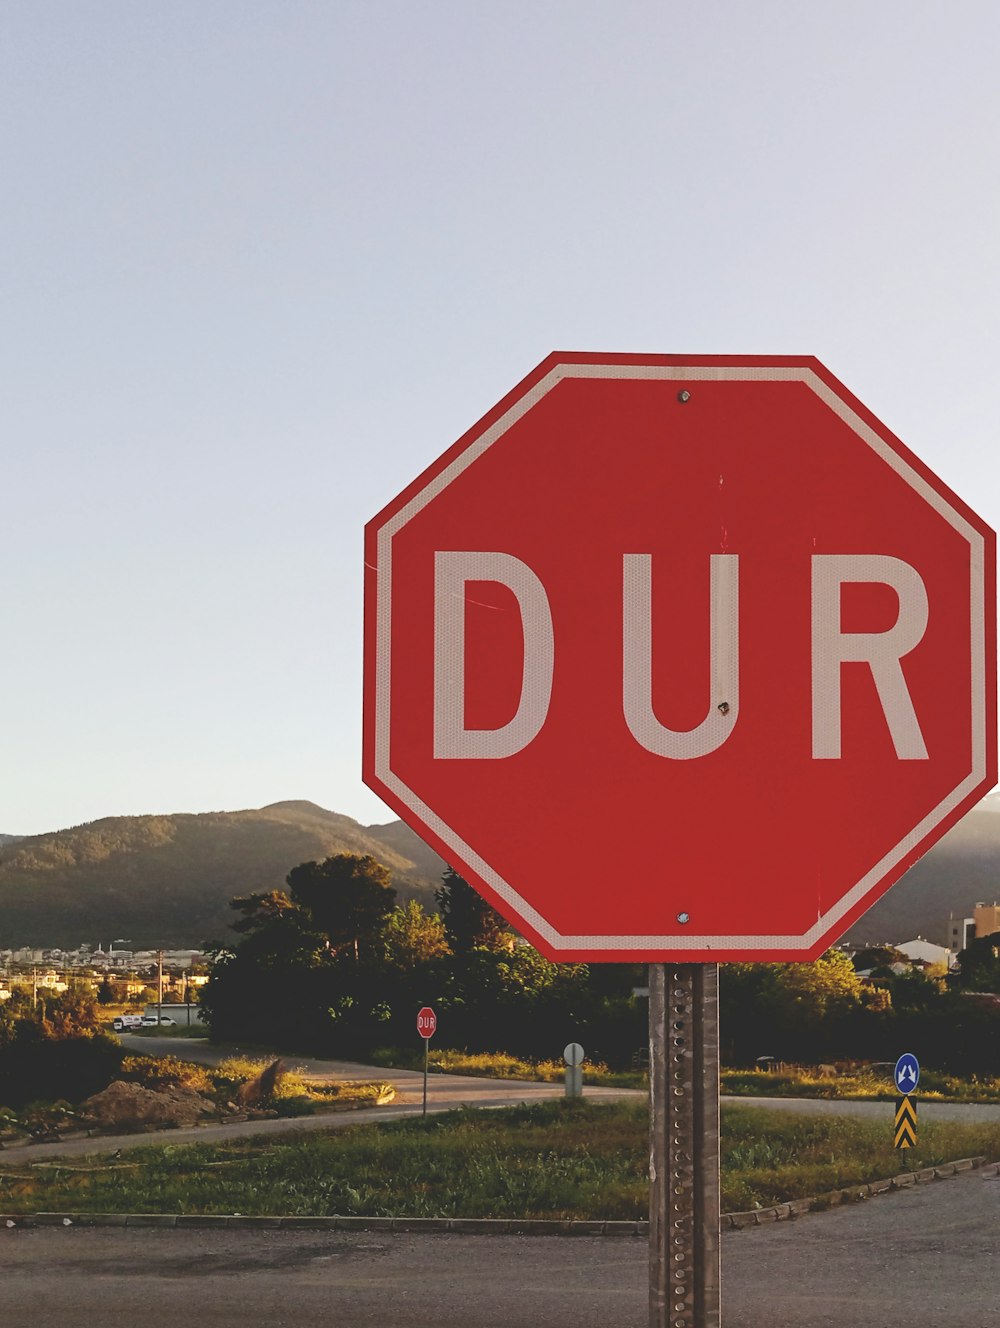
(159,984)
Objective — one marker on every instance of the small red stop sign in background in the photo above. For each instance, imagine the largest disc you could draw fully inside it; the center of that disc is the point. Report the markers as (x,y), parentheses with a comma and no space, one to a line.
(427,1022)
(680,658)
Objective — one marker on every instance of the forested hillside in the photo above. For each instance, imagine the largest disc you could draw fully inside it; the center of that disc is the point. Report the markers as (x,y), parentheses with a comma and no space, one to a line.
(167,880)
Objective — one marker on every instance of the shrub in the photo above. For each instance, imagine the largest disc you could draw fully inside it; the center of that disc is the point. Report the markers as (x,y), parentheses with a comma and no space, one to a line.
(165,1072)
(45,1070)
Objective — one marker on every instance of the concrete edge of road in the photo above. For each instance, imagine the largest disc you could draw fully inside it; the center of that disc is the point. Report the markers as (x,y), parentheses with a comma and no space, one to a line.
(856,1193)
(497,1226)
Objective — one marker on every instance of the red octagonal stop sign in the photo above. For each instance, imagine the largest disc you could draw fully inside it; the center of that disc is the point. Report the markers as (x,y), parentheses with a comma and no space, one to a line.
(680,658)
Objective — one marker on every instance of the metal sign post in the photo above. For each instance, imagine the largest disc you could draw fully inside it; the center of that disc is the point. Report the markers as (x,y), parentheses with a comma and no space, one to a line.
(906,1076)
(426,1026)
(684,1146)
(426,1056)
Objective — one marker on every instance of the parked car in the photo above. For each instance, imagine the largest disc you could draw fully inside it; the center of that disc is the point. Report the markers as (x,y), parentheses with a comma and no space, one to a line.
(123,1022)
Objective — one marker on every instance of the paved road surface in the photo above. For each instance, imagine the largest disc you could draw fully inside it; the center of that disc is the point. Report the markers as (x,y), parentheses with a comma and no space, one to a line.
(921,1258)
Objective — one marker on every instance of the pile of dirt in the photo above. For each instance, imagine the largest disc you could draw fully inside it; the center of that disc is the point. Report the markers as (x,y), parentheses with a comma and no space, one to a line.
(126,1106)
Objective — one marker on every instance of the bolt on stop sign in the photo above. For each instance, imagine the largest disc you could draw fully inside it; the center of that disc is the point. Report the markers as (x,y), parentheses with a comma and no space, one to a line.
(680,658)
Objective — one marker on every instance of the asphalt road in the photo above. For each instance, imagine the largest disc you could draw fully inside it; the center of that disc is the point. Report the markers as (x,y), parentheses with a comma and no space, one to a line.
(917,1259)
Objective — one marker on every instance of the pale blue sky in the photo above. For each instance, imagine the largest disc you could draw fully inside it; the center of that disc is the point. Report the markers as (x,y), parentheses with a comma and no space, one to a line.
(261,262)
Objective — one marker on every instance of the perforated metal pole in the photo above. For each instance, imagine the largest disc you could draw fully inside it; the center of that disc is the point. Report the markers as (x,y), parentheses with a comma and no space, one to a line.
(427,1044)
(684,1146)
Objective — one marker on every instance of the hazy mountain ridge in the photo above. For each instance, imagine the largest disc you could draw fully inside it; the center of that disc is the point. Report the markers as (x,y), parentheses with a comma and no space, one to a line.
(960,870)
(167,880)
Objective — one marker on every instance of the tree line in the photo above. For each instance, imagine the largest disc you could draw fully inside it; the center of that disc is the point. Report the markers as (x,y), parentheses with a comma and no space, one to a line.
(334,965)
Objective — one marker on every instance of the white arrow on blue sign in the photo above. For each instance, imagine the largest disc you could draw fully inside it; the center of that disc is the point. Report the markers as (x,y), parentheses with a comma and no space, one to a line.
(907,1072)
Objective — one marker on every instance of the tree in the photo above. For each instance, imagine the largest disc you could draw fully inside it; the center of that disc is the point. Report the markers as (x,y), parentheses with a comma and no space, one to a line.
(413,937)
(878,957)
(277,931)
(470,923)
(347,897)
(979,964)
(55,1051)
(306,970)
(71,1014)
(813,988)
(791,1011)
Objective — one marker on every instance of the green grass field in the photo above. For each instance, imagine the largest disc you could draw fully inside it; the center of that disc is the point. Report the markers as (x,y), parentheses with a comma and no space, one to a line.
(557,1159)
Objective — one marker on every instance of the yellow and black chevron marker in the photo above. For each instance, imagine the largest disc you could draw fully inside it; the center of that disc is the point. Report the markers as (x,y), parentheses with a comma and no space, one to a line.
(905,1134)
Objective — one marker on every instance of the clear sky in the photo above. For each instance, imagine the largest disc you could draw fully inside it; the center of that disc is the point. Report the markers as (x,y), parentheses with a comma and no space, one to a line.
(261,261)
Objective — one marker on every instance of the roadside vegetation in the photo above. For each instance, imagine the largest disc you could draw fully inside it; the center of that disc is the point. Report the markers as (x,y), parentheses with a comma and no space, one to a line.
(238,1084)
(226,1082)
(502,1065)
(857,1083)
(562,1159)
(333,966)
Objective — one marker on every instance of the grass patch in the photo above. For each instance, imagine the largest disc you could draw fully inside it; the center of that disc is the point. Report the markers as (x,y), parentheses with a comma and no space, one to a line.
(293,1095)
(771,1156)
(555,1159)
(502,1065)
(859,1084)
(787,1081)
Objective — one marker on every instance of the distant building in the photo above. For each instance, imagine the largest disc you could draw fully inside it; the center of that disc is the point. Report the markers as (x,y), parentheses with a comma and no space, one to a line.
(960,932)
(987,918)
(924,952)
(182,958)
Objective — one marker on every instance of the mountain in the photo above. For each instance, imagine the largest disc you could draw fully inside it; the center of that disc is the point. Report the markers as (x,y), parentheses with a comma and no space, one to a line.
(167,880)
(962,869)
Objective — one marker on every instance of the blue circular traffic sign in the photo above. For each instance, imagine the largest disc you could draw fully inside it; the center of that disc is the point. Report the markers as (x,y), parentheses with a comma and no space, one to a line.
(907,1072)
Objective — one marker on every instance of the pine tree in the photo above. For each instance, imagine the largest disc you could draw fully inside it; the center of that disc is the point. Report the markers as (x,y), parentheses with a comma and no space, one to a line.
(470,923)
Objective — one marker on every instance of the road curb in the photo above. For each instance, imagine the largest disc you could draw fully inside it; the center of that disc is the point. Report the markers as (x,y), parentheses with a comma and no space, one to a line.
(466,1226)
(499,1226)
(856,1193)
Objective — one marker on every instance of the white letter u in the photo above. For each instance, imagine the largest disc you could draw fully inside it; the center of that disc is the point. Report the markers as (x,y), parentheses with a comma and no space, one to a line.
(637,660)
